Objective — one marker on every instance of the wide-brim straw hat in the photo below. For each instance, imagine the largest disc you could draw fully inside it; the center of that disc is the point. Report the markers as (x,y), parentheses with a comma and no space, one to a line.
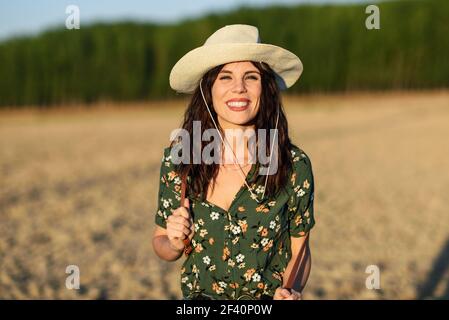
(237,42)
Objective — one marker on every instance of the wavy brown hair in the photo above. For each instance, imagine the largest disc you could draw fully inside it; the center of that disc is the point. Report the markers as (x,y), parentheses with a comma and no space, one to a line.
(270,101)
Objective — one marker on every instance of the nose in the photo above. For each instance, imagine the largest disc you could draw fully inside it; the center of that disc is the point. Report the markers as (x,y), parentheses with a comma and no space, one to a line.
(239,86)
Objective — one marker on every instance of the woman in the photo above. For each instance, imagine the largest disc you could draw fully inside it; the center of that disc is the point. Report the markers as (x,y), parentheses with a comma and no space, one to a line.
(245,227)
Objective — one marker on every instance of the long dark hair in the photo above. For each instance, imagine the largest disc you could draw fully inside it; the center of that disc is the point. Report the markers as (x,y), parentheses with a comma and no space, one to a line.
(270,101)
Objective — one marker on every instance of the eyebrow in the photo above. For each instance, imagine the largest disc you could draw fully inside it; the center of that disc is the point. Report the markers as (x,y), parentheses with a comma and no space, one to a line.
(252,71)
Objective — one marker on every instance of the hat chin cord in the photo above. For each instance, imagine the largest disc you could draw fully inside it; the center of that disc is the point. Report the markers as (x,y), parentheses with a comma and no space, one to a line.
(253,196)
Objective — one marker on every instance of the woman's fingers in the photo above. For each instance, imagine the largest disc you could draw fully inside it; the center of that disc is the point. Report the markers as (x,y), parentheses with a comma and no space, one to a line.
(184,213)
(182,228)
(177,234)
(177,219)
(186,203)
(285,294)
(281,294)
(294,295)
(298,295)
(180,223)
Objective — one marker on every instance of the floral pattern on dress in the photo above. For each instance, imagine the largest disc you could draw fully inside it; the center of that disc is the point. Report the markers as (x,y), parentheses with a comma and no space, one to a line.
(246,249)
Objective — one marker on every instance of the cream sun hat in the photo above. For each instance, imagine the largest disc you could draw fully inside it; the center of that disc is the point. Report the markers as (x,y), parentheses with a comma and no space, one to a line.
(237,42)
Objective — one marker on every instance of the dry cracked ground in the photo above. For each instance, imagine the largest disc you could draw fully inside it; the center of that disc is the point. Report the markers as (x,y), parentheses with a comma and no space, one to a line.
(79,187)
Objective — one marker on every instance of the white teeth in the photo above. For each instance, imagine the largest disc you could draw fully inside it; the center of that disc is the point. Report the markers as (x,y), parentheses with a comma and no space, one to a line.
(237,104)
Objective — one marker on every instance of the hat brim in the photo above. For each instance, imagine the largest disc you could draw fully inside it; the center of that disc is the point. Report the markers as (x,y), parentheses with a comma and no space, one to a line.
(187,72)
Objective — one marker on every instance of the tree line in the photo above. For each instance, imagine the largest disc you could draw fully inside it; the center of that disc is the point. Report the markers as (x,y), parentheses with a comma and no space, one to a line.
(131,61)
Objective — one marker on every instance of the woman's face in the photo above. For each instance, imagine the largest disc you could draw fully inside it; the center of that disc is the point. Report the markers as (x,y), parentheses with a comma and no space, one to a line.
(236,94)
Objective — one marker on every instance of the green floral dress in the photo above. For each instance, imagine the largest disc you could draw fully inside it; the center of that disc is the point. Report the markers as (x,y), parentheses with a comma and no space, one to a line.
(244,250)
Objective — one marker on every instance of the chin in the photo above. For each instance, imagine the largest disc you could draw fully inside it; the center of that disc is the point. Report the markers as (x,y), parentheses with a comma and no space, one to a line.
(240,121)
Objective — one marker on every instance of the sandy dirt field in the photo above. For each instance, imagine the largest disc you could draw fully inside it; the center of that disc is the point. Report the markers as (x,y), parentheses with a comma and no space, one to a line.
(79,187)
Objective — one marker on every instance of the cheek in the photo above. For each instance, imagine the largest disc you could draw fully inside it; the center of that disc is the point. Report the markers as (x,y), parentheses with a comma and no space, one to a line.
(255,90)
(218,93)
(256,95)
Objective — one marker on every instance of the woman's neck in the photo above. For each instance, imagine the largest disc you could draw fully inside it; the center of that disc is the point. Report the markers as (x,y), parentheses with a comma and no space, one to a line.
(238,145)
(237,137)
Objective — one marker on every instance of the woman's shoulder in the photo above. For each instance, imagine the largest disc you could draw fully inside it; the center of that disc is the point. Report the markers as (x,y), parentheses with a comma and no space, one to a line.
(174,147)
(302,165)
(168,168)
(302,183)
(299,157)
(166,153)
(167,156)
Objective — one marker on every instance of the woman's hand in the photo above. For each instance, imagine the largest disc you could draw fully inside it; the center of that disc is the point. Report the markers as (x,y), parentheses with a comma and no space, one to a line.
(284,294)
(180,226)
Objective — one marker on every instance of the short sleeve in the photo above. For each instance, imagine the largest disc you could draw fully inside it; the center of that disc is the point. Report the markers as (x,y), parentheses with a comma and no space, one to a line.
(169,196)
(302,198)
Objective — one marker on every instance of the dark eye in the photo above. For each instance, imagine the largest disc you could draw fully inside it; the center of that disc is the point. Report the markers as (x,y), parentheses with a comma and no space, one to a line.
(225,77)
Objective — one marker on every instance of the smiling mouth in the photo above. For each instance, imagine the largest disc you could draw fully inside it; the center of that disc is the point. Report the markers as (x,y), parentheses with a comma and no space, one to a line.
(238,105)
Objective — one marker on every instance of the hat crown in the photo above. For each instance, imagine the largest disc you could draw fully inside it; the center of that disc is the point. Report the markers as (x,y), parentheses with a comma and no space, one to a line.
(234,33)
(235,42)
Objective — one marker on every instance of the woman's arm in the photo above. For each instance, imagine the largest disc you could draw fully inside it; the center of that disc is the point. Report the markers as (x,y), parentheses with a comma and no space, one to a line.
(305,262)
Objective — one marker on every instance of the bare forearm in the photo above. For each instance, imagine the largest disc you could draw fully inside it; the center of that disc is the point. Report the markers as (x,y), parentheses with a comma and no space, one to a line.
(164,250)
(302,277)
(303,272)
